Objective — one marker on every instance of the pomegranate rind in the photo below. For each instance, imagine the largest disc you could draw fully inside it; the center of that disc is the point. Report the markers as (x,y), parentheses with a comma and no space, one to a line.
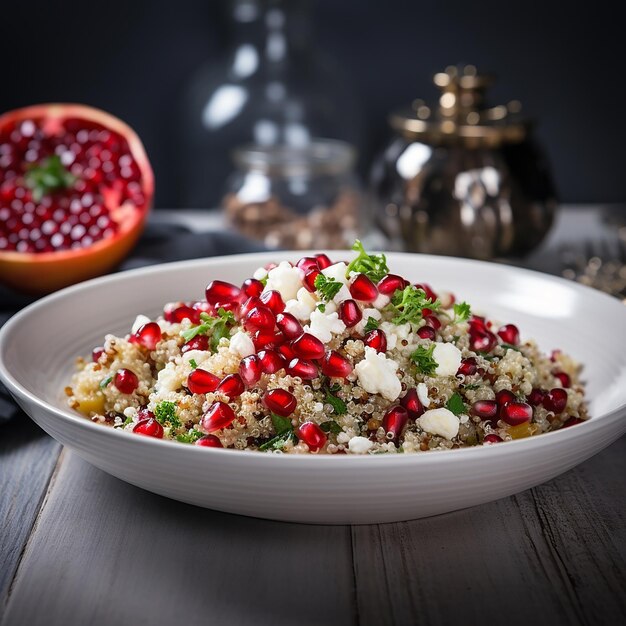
(43,272)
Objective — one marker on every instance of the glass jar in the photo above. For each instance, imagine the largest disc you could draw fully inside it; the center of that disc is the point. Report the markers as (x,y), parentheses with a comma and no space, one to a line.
(299,198)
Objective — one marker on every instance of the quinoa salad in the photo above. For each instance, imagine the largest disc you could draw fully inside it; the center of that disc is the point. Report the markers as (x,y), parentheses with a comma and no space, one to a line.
(327,357)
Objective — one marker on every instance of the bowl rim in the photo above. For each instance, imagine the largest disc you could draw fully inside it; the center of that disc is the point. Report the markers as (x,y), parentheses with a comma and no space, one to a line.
(479,453)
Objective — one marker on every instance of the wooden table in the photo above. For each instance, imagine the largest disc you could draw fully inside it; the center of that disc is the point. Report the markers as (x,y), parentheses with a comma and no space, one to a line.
(79,547)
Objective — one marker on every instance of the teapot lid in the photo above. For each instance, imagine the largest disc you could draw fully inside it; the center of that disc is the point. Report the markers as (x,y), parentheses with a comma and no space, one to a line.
(462,114)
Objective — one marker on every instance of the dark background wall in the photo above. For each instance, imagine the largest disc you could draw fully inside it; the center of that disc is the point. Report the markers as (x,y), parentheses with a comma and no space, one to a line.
(564,61)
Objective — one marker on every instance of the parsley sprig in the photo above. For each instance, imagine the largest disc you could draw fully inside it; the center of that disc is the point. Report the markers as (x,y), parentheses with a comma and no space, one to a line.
(409,304)
(165,414)
(423,359)
(191,436)
(456,404)
(218,327)
(331,426)
(372,324)
(284,433)
(339,406)
(462,312)
(374,266)
(327,287)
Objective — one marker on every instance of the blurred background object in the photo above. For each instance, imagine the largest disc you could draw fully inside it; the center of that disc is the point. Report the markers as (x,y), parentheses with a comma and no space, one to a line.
(463,177)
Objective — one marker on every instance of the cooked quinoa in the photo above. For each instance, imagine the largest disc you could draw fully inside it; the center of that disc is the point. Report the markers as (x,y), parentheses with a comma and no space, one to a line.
(323,357)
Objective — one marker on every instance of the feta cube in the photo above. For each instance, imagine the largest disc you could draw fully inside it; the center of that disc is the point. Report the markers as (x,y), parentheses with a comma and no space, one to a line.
(285,279)
(241,344)
(377,374)
(324,324)
(360,445)
(441,422)
(448,358)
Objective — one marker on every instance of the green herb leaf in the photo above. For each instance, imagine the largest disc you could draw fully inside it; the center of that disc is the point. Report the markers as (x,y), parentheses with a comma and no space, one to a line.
(218,326)
(191,436)
(455,404)
(321,307)
(263,280)
(281,424)
(471,387)
(372,324)
(462,312)
(48,176)
(165,414)
(331,426)
(409,303)
(374,266)
(193,363)
(105,382)
(423,359)
(327,287)
(508,346)
(339,406)
(127,421)
(278,442)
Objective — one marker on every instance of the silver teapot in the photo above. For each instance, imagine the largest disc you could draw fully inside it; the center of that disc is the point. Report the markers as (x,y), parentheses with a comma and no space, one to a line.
(463,178)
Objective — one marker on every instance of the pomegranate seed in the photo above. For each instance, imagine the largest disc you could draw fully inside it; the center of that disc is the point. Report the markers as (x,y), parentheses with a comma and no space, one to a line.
(149,427)
(447,299)
(287,351)
(391,283)
(478,323)
(350,313)
(144,414)
(336,365)
(504,396)
(306,370)
(433,321)
(427,332)
(468,367)
(572,421)
(250,370)
(199,342)
(555,400)
(280,401)
(376,339)
(96,353)
(202,307)
(485,409)
(411,402)
(147,335)
(307,346)
(271,361)
(183,312)
(209,441)
(536,397)
(217,417)
(430,294)
(306,263)
(492,438)
(259,318)
(509,334)
(482,340)
(126,381)
(219,291)
(273,300)
(252,287)
(564,379)
(363,289)
(248,305)
(323,261)
(554,355)
(201,381)
(312,435)
(395,420)
(289,325)
(309,279)
(267,339)
(515,413)
(231,386)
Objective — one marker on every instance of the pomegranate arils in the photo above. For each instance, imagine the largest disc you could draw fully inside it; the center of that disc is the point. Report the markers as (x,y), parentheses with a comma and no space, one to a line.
(209,441)
(201,381)
(376,339)
(468,367)
(363,289)
(252,287)
(391,283)
(217,417)
(482,340)
(430,294)
(308,346)
(180,313)
(149,427)
(248,305)
(231,386)
(306,370)
(306,263)
(250,370)
(309,278)
(144,414)
(266,339)
(572,421)
(271,361)
(147,335)
(504,396)
(280,401)
(486,410)
(219,291)
(433,321)
(287,351)
(411,402)
(336,365)
(273,300)
(350,313)
(259,318)
(323,261)
(96,353)
(311,434)
(509,334)
(426,332)
(563,378)
(536,397)
(492,438)
(199,342)
(289,325)
(555,400)
(394,421)
(125,381)
(515,413)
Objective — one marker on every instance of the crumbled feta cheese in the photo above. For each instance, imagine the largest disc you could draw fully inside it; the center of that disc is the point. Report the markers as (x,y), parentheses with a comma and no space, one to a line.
(367,313)
(360,445)
(302,306)
(422,394)
(337,271)
(440,422)
(330,307)
(130,411)
(140,320)
(342,294)
(260,273)
(448,358)
(381,301)
(285,279)
(463,418)
(169,379)
(343,437)
(323,325)
(199,356)
(377,374)
(395,333)
(241,344)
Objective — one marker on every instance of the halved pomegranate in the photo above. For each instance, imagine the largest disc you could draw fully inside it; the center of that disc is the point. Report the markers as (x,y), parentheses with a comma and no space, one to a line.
(75,189)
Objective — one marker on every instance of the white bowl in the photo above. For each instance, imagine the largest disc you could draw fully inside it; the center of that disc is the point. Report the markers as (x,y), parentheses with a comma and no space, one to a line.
(38,347)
